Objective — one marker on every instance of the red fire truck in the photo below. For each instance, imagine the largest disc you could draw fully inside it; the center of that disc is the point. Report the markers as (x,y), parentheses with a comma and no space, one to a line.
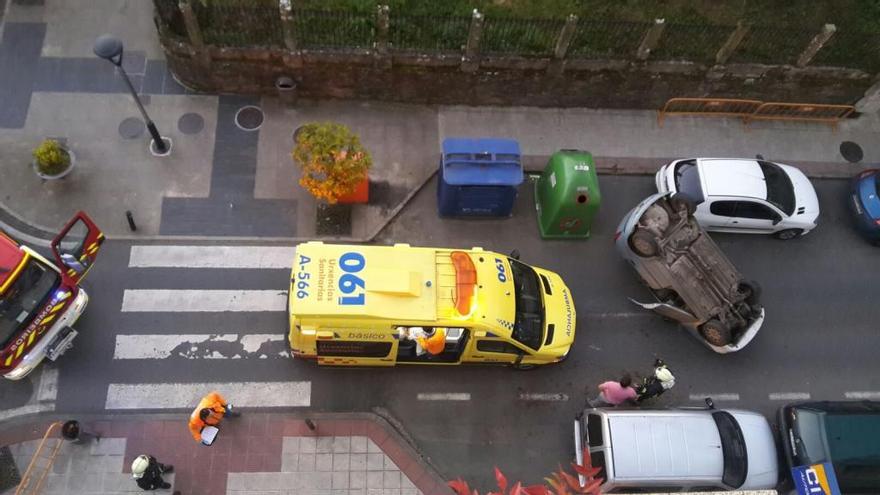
(40,300)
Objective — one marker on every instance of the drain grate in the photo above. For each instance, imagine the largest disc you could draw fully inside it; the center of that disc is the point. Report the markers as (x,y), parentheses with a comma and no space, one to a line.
(190,123)
(851,152)
(249,118)
(131,128)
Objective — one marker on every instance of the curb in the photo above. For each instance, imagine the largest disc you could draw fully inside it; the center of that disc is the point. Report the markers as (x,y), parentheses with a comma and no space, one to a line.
(38,235)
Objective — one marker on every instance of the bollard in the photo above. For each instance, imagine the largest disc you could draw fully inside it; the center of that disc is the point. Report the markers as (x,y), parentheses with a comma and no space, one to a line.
(130,219)
(311,424)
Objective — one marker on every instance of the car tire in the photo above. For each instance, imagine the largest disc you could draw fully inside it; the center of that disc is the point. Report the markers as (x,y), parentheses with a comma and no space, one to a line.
(643,244)
(716,333)
(788,234)
(680,200)
(751,289)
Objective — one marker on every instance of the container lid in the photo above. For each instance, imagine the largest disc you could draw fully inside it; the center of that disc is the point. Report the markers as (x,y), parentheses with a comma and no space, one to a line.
(485,161)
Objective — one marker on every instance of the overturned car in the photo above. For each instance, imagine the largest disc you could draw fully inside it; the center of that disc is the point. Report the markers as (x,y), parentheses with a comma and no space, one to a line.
(691,278)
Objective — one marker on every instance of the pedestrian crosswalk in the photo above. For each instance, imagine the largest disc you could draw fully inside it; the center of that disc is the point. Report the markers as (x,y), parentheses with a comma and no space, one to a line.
(213,314)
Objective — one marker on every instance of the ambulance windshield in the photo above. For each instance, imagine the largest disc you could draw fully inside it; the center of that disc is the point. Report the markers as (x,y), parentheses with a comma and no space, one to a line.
(528,327)
(24,297)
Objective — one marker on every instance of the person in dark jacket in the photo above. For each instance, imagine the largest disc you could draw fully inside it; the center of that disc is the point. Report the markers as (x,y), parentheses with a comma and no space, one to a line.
(147,471)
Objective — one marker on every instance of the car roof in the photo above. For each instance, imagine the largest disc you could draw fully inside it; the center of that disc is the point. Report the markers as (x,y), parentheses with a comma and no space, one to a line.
(732,177)
(671,444)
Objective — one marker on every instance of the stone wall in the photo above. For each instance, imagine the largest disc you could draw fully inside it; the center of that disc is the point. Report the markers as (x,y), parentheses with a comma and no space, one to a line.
(545,82)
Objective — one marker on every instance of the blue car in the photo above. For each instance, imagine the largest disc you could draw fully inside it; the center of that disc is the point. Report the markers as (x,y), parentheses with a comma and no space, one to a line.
(865,203)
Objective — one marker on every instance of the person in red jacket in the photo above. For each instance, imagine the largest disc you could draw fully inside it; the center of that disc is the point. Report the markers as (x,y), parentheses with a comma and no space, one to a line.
(210,412)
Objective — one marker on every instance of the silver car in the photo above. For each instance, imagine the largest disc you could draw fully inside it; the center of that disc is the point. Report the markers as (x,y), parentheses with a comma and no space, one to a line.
(692,280)
(676,450)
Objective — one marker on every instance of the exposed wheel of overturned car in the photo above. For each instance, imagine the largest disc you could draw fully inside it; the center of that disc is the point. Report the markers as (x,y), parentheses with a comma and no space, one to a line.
(643,244)
(716,333)
(752,291)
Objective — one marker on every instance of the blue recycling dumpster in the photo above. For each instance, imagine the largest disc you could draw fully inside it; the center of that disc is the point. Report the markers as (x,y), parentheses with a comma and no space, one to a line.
(478,177)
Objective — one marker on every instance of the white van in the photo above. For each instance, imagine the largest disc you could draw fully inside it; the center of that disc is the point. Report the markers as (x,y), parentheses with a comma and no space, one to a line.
(678,450)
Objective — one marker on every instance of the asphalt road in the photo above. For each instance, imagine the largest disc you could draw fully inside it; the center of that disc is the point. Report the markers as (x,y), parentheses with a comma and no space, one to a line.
(820,335)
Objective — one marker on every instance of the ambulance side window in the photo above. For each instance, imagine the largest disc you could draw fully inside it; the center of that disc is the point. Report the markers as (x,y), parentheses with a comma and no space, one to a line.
(353,348)
(497,346)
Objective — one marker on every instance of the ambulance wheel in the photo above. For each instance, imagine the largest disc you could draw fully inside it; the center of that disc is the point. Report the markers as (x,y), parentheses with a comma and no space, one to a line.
(643,244)
(716,333)
(524,367)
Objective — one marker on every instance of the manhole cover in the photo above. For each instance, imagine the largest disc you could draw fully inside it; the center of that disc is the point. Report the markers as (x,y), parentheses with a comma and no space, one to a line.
(851,151)
(131,128)
(249,118)
(190,123)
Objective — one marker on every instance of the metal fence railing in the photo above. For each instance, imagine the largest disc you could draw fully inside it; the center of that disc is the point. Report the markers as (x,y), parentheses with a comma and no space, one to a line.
(693,42)
(428,33)
(852,49)
(607,39)
(258,23)
(520,36)
(769,44)
(240,23)
(334,29)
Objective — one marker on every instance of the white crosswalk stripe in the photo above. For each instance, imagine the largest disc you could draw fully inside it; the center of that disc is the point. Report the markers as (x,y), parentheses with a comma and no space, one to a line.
(174,300)
(201,346)
(187,395)
(260,257)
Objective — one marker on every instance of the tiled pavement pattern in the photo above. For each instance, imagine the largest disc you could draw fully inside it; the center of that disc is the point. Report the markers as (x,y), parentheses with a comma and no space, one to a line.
(358,454)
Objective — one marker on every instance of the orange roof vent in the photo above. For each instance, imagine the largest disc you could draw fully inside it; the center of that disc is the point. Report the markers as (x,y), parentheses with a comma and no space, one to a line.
(465,281)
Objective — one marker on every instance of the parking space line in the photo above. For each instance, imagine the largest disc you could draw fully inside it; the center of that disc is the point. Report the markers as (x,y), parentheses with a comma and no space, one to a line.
(259,257)
(544,397)
(862,395)
(789,396)
(180,300)
(200,346)
(724,397)
(186,395)
(454,396)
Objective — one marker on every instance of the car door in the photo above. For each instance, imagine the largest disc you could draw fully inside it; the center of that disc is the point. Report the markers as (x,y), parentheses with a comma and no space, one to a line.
(716,214)
(489,350)
(752,216)
(76,247)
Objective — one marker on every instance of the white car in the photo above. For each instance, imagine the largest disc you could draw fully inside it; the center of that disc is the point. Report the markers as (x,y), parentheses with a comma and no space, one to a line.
(744,195)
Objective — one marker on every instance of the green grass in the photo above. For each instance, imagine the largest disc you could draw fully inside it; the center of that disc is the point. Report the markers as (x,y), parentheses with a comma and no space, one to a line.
(696,29)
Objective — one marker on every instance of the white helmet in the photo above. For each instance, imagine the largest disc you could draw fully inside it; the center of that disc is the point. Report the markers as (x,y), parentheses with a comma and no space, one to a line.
(139,466)
(663,374)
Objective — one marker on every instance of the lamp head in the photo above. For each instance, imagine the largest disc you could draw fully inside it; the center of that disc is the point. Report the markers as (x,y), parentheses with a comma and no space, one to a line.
(109,48)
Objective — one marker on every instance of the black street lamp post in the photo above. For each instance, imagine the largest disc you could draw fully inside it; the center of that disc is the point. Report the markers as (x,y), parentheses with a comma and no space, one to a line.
(110,49)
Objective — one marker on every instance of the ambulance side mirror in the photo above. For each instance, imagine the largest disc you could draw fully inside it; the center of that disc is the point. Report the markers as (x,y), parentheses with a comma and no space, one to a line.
(515,254)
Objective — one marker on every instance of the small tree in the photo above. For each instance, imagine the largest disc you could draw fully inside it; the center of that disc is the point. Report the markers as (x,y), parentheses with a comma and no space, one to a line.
(560,482)
(332,159)
(51,158)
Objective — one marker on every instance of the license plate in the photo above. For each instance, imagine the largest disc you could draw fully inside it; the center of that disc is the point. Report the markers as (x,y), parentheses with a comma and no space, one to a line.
(858,207)
(62,342)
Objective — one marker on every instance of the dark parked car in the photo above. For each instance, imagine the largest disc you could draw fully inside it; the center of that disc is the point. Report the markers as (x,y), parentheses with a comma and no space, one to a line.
(864,202)
(844,433)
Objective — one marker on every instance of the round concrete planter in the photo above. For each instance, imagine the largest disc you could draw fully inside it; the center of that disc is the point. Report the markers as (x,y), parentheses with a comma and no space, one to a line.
(60,175)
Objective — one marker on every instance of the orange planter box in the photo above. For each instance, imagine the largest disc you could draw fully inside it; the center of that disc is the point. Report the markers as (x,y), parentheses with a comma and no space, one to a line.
(360,195)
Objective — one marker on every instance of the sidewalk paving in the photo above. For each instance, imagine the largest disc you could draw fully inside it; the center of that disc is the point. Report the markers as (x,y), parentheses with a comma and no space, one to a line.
(257,454)
(222,181)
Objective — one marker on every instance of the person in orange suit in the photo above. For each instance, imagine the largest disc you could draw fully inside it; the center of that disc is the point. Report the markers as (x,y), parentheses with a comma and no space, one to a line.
(433,341)
(210,412)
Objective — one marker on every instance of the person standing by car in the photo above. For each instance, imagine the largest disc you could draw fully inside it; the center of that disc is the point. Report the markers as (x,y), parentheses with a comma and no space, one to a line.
(147,472)
(613,393)
(654,386)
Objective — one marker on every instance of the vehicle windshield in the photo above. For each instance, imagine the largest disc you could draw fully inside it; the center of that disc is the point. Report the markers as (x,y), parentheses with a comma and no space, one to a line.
(687,180)
(847,440)
(36,282)
(733,448)
(528,327)
(780,191)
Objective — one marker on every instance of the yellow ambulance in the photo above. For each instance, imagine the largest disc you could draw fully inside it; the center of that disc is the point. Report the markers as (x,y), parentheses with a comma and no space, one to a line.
(361,305)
